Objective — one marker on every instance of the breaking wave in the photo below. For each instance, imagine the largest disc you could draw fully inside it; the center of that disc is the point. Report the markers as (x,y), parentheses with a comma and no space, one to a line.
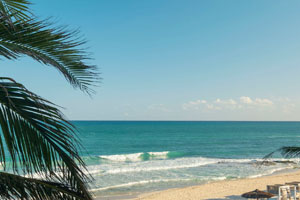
(135,157)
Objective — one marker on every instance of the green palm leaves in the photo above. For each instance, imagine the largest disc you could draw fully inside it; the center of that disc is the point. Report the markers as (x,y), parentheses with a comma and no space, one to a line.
(54,47)
(17,187)
(35,135)
(14,10)
(287,152)
(38,138)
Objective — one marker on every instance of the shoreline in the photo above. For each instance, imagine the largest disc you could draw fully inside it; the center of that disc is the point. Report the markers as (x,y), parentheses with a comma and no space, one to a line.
(216,190)
(222,190)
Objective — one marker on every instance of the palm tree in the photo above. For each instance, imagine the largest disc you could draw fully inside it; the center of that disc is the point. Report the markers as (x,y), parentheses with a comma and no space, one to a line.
(36,138)
(287,152)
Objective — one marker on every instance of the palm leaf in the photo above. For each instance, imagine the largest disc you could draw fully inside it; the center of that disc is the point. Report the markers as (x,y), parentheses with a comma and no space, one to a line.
(18,187)
(38,138)
(14,10)
(51,46)
(287,152)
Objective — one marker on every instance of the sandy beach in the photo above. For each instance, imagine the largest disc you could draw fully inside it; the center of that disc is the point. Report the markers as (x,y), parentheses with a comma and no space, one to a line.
(221,190)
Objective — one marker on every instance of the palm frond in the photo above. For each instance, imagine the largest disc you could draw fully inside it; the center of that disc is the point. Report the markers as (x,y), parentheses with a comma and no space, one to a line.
(287,152)
(38,137)
(18,187)
(290,152)
(14,10)
(51,46)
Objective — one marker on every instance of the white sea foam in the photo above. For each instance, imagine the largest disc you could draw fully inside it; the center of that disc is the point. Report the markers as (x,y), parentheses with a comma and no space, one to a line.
(272,171)
(137,157)
(181,163)
(143,182)
(203,179)
(164,164)
(152,165)
(140,174)
(144,156)
(125,157)
(134,157)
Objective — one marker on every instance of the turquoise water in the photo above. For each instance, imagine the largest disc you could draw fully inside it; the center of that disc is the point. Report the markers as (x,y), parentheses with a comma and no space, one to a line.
(133,157)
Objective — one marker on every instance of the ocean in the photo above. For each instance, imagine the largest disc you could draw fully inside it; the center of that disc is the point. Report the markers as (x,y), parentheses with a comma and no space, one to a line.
(131,157)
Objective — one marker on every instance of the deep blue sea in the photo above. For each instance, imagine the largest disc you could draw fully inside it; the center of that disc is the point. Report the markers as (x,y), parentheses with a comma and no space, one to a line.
(129,157)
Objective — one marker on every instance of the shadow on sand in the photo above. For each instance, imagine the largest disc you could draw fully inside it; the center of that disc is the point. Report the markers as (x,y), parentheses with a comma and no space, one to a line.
(233,197)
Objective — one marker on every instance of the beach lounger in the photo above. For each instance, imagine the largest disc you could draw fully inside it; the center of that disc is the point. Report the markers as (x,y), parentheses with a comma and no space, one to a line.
(273,189)
(297,188)
(284,192)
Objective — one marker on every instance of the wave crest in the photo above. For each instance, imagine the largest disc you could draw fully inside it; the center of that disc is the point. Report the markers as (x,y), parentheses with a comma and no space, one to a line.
(136,157)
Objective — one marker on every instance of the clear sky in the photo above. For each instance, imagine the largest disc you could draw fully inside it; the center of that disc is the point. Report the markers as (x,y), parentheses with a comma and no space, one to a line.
(177,59)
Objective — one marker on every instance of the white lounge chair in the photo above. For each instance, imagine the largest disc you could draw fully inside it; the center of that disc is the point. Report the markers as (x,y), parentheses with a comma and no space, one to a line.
(284,192)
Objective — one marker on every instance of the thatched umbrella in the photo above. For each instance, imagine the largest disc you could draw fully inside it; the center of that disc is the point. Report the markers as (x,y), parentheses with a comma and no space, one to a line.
(257,194)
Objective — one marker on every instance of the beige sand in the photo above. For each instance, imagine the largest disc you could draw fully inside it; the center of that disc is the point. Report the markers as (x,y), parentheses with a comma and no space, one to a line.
(222,189)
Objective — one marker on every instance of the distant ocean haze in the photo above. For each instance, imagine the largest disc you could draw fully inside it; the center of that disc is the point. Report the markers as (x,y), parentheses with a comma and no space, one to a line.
(128,157)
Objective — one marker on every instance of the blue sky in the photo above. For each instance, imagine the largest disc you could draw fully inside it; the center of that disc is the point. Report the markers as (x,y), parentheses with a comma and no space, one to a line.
(177,60)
